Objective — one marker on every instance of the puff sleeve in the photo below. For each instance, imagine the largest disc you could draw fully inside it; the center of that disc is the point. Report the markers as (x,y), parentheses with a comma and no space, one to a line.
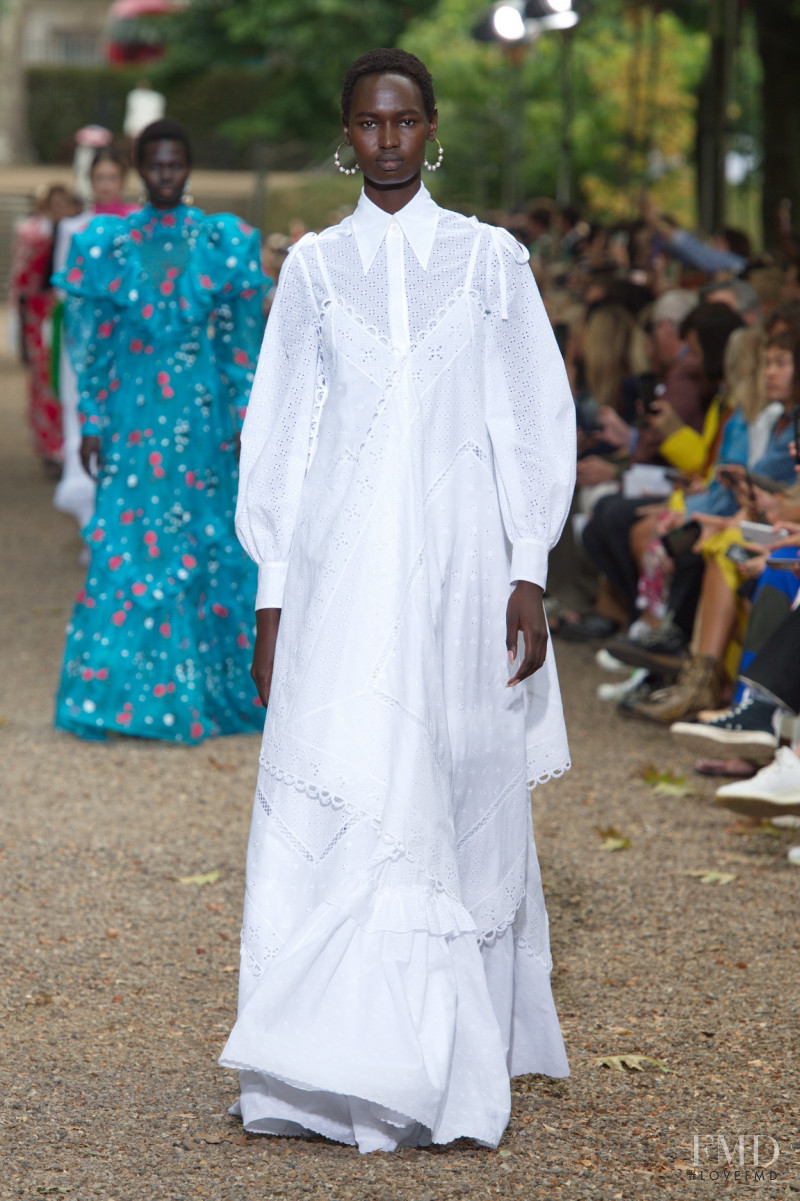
(95,295)
(530,413)
(238,312)
(278,428)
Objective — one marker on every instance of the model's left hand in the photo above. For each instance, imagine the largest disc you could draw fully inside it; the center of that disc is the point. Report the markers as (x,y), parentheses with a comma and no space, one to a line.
(525,612)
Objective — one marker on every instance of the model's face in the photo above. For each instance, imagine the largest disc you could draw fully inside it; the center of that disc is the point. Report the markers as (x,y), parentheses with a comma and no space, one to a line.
(107,182)
(164,171)
(778,374)
(388,129)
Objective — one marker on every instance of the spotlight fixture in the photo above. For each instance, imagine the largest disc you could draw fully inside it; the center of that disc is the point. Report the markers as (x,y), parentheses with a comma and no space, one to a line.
(507,23)
(551,14)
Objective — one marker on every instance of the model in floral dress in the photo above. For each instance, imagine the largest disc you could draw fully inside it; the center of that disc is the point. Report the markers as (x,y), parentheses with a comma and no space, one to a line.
(35,300)
(164,322)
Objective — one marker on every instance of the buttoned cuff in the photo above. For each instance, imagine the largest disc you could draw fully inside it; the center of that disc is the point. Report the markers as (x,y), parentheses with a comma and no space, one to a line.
(271,583)
(529,562)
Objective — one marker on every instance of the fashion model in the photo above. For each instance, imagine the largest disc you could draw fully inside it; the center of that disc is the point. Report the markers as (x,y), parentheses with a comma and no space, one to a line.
(407,461)
(163,319)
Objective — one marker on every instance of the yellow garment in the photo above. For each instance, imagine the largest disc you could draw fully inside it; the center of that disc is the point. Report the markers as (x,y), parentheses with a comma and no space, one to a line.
(689,451)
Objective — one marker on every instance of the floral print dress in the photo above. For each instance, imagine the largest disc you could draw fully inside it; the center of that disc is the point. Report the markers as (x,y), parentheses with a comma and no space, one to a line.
(163,321)
(35,299)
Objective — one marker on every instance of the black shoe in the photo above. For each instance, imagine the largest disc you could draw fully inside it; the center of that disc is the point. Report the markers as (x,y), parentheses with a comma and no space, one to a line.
(662,650)
(591,627)
(745,732)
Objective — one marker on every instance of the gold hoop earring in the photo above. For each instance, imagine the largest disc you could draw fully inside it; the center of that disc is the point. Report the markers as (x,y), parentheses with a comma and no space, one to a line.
(435,166)
(344,170)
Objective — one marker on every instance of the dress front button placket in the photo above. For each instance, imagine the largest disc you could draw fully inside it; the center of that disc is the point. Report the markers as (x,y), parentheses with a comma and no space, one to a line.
(396,272)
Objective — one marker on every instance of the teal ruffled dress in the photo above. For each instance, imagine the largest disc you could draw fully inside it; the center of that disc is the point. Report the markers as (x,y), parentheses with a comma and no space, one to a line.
(164,321)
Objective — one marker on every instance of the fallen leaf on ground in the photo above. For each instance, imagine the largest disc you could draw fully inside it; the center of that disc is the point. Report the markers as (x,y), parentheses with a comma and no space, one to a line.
(666,783)
(219,765)
(712,877)
(201,878)
(613,839)
(633,1062)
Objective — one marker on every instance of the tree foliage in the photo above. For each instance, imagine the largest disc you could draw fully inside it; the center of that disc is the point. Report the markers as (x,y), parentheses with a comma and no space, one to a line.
(303,48)
(633,78)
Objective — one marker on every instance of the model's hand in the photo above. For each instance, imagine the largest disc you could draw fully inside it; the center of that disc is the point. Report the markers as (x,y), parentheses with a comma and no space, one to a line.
(525,612)
(267,622)
(91,458)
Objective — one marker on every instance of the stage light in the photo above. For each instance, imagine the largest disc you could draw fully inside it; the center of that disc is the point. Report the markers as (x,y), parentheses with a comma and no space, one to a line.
(508,24)
(563,20)
(537,9)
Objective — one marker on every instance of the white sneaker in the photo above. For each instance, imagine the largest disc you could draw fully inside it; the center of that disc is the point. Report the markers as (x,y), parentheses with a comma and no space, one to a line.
(774,789)
(793,855)
(618,692)
(606,660)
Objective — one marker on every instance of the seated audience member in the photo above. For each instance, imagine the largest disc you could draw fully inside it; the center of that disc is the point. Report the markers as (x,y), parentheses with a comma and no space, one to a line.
(701,680)
(606,537)
(746,730)
(739,294)
(774,792)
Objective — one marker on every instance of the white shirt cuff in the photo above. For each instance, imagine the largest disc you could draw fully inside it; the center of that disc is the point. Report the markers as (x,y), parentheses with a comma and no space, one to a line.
(529,562)
(271,583)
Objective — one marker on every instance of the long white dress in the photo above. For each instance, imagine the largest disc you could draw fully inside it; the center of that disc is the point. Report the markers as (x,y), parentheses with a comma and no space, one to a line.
(408,451)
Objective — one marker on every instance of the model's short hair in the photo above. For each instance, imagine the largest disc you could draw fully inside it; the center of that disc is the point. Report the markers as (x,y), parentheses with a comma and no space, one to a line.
(396,62)
(164,130)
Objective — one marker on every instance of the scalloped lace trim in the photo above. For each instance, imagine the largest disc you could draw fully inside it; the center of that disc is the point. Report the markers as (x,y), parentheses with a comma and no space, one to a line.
(554,773)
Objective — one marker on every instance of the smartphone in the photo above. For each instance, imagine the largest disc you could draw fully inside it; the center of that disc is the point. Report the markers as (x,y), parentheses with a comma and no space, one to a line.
(650,389)
(785,564)
(678,542)
(740,554)
(765,483)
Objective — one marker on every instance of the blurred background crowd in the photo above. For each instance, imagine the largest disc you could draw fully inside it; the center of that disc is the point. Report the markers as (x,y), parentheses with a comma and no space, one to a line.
(644,153)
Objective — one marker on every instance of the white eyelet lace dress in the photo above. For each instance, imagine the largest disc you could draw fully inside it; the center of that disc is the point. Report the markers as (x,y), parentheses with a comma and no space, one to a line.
(409,450)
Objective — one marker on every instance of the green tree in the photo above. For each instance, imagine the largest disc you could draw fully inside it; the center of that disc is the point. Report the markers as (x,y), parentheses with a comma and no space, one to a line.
(633,79)
(303,48)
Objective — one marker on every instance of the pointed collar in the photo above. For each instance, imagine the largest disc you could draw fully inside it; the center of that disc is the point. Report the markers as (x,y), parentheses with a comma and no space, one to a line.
(417,219)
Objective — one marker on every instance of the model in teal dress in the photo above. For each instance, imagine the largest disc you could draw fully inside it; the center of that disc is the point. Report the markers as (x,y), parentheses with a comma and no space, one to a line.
(164,321)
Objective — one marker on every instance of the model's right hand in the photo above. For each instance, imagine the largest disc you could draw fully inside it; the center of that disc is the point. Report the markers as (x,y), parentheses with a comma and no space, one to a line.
(267,622)
(90,450)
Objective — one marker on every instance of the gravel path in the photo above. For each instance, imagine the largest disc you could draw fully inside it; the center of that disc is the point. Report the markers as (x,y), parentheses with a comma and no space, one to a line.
(119,981)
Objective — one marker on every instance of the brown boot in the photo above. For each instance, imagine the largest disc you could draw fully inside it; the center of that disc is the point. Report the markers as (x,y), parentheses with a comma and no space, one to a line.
(699,686)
